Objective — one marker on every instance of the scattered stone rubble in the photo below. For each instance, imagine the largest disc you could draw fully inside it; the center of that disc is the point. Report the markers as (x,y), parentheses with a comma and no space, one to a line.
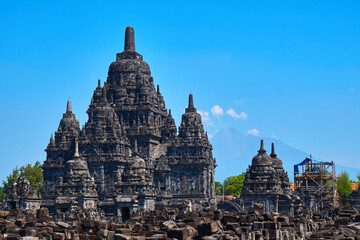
(340,223)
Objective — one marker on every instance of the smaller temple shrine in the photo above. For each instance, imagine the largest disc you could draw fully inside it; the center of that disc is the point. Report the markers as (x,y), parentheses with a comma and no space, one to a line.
(77,190)
(22,196)
(267,186)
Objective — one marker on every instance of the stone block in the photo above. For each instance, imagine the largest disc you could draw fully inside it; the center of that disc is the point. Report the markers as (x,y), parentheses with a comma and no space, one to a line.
(63,224)
(192,232)
(32,232)
(125,231)
(157,236)
(178,233)
(136,228)
(271,225)
(4,214)
(58,236)
(207,229)
(268,216)
(11,236)
(341,221)
(122,237)
(103,224)
(232,226)
(258,226)
(13,230)
(169,224)
(43,213)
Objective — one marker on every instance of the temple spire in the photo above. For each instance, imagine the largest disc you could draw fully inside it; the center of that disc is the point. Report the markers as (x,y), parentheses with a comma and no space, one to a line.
(262,149)
(68,107)
(99,83)
(135,147)
(52,139)
(170,113)
(191,101)
(104,96)
(273,154)
(76,154)
(129,39)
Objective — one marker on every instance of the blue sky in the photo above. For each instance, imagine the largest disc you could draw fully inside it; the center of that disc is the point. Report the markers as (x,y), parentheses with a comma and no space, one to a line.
(288,69)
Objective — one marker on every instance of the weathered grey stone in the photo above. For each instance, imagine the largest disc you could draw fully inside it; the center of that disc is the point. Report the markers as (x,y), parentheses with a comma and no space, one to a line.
(63,224)
(169,224)
(31,232)
(178,233)
(58,236)
(207,229)
(122,237)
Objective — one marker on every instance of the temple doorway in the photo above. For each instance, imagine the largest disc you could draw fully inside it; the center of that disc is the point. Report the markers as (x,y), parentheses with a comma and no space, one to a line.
(125,213)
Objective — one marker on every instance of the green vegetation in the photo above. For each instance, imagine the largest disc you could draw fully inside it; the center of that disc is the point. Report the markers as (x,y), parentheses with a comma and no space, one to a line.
(218,188)
(33,173)
(344,187)
(233,185)
(358,181)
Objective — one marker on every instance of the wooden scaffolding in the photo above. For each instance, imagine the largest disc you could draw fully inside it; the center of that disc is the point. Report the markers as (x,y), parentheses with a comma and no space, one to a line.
(317,180)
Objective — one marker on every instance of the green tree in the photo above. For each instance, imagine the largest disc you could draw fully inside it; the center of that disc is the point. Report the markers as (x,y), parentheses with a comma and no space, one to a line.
(234,184)
(358,181)
(10,179)
(344,187)
(218,188)
(33,173)
(2,194)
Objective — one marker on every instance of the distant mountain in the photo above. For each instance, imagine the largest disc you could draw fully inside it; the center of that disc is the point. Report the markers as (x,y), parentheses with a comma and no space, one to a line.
(234,151)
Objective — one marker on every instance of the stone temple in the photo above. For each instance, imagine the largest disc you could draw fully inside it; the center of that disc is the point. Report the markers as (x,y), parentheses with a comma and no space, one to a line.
(267,186)
(129,156)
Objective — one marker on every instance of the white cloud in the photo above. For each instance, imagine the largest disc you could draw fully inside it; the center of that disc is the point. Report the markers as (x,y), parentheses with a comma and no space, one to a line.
(233,114)
(217,111)
(253,132)
(204,116)
(273,136)
(210,136)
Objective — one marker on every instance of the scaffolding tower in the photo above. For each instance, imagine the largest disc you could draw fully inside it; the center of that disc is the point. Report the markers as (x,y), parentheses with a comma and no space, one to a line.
(315,180)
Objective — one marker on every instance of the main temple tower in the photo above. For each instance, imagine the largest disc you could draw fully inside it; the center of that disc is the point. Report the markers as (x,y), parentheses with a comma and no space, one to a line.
(135,157)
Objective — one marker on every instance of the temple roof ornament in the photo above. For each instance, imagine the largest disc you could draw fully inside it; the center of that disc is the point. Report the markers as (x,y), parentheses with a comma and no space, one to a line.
(68,107)
(129,39)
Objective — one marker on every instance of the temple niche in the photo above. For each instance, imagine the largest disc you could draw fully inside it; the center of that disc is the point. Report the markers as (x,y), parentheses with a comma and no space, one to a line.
(128,156)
